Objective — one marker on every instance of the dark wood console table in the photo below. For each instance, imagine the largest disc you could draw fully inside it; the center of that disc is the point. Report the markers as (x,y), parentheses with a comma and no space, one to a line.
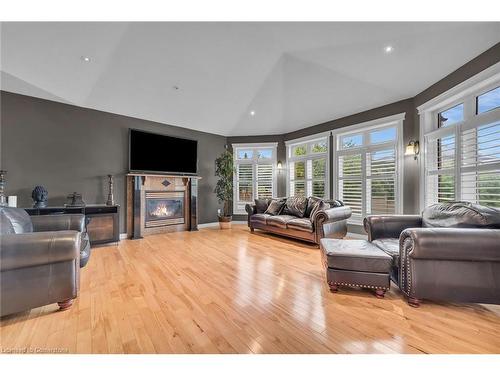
(102,220)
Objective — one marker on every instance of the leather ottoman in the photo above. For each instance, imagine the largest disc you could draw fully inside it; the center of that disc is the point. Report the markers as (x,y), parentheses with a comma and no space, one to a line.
(356,263)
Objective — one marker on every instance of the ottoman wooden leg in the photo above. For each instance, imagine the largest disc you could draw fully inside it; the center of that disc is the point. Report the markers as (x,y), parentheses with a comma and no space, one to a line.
(333,287)
(251,230)
(414,302)
(66,304)
(379,293)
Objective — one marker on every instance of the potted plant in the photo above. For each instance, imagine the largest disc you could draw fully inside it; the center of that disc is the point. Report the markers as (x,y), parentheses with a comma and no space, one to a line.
(224,169)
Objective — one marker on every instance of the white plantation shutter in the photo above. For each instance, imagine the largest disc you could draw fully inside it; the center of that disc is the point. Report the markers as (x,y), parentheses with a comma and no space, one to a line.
(245,182)
(264,181)
(381,181)
(350,175)
(480,164)
(440,166)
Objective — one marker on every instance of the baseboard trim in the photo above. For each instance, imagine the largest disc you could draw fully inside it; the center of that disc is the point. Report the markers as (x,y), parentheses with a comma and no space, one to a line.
(216,224)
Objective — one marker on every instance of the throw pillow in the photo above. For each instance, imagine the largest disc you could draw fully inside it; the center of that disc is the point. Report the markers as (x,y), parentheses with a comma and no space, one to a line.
(261,205)
(295,206)
(275,207)
(311,202)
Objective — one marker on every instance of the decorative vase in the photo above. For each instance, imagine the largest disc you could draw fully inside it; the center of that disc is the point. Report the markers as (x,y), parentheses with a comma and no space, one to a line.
(39,195)
(111,199)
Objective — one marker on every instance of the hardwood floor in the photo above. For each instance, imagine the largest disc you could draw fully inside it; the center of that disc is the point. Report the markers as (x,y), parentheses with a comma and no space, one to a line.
(232,291)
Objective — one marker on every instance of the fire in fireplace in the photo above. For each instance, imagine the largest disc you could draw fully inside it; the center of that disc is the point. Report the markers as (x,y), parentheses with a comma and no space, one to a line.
(164,208)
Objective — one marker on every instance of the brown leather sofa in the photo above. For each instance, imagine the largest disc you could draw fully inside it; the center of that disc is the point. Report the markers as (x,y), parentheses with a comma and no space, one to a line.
(329,221)
(39,259)
(451,252)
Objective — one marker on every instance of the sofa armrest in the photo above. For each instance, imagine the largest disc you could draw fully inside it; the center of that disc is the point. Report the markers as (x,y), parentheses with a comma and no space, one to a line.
(391,226)
(332,214)
(33,249)
(331,223)
(47,223)
(453,244)
(251,209)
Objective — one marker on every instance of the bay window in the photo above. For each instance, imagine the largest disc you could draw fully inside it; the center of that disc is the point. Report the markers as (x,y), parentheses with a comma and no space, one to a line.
(254,176)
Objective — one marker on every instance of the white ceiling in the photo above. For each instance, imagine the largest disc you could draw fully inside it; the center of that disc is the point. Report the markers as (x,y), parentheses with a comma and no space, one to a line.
(293,75)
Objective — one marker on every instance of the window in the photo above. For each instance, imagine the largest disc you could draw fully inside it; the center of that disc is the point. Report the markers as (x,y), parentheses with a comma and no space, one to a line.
(367,167)
(308,167)
(254,173)
(488,101)
(462,145)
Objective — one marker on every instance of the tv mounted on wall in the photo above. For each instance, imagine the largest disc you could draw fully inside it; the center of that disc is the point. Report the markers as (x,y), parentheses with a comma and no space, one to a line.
(156,153)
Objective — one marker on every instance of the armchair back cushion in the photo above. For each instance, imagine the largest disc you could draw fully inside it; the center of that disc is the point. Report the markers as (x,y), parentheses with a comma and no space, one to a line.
(460,215)
(20,221)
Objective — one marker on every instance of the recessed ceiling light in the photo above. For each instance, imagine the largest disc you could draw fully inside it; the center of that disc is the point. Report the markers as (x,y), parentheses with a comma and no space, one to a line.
(388,49)
(86,58)
(252,113)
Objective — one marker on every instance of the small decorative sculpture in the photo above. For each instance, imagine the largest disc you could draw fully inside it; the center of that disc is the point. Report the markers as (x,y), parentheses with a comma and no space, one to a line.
(75,200)
(3,198)
(39,195)
(111,199)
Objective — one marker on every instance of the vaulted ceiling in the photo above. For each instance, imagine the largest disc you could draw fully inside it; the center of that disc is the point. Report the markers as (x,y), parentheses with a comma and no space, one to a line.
(210,76)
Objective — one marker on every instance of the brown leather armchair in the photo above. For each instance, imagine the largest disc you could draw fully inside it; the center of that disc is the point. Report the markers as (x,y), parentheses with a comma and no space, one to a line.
(39,260)
(451,252)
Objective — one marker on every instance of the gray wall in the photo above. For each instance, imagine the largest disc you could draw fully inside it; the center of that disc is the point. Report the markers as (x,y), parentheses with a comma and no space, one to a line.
(67,148)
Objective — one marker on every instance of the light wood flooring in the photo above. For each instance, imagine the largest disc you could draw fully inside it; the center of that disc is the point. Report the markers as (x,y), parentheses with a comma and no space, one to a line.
(231,291)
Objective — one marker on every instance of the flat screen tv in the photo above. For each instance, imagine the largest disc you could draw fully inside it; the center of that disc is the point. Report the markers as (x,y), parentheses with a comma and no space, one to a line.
(149,152)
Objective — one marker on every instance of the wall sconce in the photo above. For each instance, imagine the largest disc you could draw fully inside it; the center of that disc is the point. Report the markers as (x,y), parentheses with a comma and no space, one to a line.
(280,166)
(413,149)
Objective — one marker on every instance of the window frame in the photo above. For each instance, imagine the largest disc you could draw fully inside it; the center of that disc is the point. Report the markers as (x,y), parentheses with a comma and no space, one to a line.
(309,156)
(239,206)
(467,93)
(366,128)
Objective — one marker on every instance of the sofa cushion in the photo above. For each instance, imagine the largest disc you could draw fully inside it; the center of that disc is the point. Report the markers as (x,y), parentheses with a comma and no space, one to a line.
(19,219)
(279,221)
(390,246)
(460,215)
(261,205)
(275,206)
(303,224)
(295,206)
(259,218)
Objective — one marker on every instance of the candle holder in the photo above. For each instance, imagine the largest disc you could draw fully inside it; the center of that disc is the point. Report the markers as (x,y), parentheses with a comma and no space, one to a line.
(111,199)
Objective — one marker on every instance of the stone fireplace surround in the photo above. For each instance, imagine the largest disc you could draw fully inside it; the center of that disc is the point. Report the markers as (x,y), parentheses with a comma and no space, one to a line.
(170,199)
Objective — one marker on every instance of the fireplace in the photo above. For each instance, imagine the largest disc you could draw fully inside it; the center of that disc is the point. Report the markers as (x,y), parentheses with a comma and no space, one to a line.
(161,204)
(164,208)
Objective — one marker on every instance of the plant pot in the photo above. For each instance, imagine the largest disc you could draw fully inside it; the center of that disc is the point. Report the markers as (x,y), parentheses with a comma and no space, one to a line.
(225,222)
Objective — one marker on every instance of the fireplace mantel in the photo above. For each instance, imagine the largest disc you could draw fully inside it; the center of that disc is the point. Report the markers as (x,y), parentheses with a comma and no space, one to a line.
(140,186)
